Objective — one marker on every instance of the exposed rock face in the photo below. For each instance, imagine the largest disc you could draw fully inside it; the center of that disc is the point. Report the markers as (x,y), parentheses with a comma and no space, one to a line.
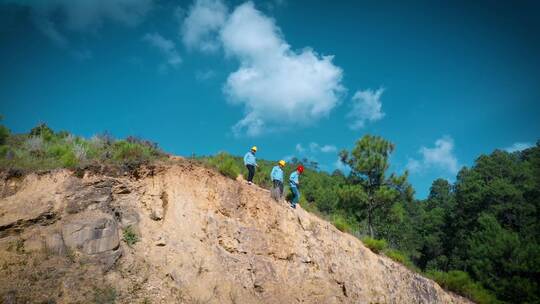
(55,244)
(95,235)
(81,196)
(203,238)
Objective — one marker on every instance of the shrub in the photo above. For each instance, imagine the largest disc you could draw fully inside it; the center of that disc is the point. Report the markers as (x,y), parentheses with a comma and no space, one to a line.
(461,283)
(396,256)
(62,152)
(3,151)
(4,134)
(57,150)
(130,237)
(129,152)
(43,131)
(374,244)
(225,164)
(69,159)
(401,258)
(341,223)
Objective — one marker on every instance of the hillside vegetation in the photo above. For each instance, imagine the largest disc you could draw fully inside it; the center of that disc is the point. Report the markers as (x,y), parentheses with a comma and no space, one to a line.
(44,149)
(478,236)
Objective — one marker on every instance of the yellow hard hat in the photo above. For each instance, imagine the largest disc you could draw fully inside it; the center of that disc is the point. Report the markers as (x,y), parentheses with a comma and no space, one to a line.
(281,163)
(254,148)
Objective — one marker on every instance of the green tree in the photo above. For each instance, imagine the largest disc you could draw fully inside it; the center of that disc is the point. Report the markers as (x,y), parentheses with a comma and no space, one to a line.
(42,130)
(368,161)
(498,259)
(433,226)
(493,228)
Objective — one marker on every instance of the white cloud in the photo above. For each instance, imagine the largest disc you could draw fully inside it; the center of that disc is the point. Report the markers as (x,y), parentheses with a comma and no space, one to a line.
(200,28)
(366,107)
(413,165)
(441,156)
(328,149)
(277,86)
(53,17)
(166,47)
(315,147)
(518,146)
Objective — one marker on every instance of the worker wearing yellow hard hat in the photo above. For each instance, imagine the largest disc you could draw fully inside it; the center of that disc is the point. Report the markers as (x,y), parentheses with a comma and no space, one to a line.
(277,180)
(250,161)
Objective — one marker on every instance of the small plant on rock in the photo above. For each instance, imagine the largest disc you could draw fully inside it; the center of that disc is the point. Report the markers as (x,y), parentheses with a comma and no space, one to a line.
(130,237)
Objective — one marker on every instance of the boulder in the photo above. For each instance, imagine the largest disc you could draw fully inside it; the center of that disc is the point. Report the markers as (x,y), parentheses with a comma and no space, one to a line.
(95,236)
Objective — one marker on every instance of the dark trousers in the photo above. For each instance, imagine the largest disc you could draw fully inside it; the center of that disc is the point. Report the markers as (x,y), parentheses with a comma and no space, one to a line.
(251,172)
(296,196)
(277,190)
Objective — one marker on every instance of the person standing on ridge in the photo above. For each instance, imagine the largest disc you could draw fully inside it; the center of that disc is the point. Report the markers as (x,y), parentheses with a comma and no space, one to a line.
(277,179)
(250,161)
(294,183)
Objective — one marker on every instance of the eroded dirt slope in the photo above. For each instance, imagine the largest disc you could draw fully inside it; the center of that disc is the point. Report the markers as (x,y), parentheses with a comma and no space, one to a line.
(203,238)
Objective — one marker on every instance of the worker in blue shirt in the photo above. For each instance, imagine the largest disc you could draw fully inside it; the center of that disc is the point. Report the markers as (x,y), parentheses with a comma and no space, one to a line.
(250,161)
(276,176)
(294,183)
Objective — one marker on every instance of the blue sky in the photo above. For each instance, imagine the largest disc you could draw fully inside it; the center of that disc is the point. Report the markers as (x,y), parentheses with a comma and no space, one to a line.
(444,82)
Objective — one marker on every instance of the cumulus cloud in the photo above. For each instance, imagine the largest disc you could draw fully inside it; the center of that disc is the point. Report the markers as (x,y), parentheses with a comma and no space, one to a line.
(518,146)
(299,148)
(278,87)
(366,107)
(166,48)
(440,156)
(201,25)
(54,17)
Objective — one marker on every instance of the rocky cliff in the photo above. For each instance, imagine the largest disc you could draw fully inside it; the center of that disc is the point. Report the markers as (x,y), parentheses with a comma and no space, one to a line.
(202,238)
